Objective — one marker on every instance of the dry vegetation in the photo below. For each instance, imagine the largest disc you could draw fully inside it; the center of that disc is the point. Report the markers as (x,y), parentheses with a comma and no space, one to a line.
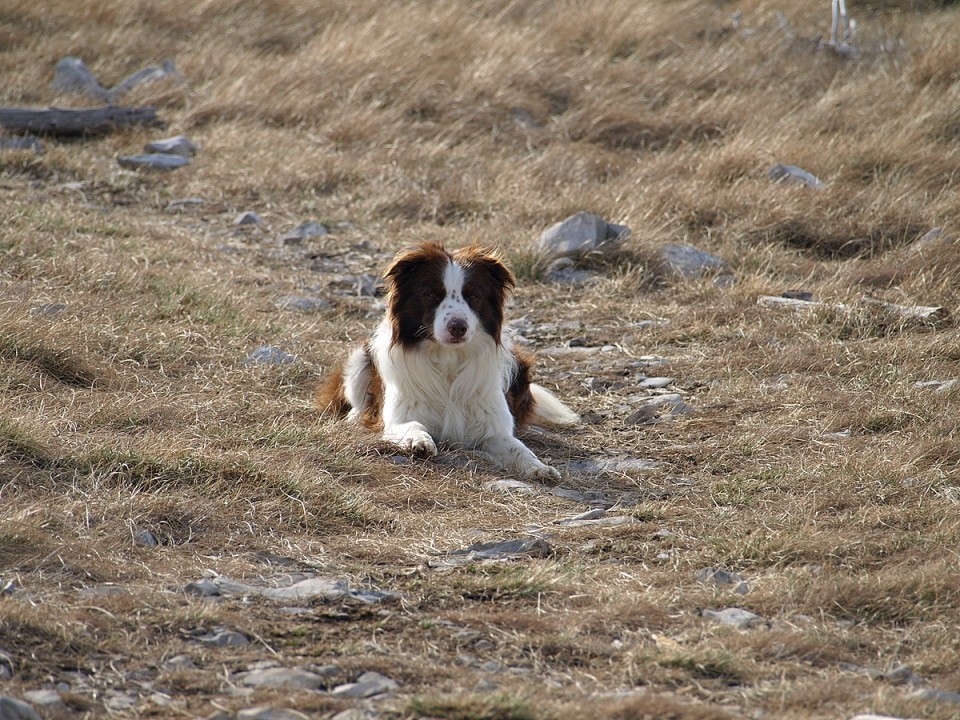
(815,466)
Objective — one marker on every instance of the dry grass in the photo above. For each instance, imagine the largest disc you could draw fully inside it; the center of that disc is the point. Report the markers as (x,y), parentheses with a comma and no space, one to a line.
(815,465)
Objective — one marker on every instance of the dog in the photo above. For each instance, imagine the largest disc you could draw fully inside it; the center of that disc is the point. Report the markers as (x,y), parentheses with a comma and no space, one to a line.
(439,368)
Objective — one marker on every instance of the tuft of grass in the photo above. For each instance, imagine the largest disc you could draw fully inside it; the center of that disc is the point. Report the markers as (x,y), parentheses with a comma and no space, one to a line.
(474,707)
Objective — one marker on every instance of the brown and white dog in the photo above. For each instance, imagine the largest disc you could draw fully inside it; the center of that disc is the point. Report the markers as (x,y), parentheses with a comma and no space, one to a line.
(438,368)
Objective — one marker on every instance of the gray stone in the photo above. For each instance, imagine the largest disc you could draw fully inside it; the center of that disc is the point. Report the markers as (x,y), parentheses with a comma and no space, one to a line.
(367,285)
(718,577)
(672,403)
(579,235)
(202,588)
(590,497)
(510,487)
(146,538)
(793,175)
(152,161)
(535,547)
(301,303)
(141,77)
(270,713)
(49,309)
(179,145)
(43,698)
(282,677)
(623,465)
(269,355)
(304,231)
(946,697)
(21,143)
(307,589)
(367,685)
(179,662)
(222,637)
(737,617)
(13,709)
(248,218)
(73,76)
(646,415)
(689,262)
(600,521)
(184,204)
(656,383)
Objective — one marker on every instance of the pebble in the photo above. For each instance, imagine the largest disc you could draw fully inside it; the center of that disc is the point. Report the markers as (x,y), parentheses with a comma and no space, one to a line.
(722,577)
(941,696)
(535,547)
(622,465)
(184,204)
(179,662)
(282,677)
(367,685)
(21,143)
(646,415)
(146,538)
(656,383)
(202,588)
(580,234)
(304,231)
(689,262)
(600,521)
(510,487)
(590,497)
(793,175)
(43,698)
(248,218)
(269,355)
(302,303)
(737,617)
(270,713)
(224,638)
(13,709)
(152,161)
(672,402)
(307,589)
(179,145)
(49,309)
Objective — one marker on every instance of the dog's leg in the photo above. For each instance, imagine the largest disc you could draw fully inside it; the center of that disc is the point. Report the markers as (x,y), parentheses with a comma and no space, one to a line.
(509,452)
(412,437)
(356,380)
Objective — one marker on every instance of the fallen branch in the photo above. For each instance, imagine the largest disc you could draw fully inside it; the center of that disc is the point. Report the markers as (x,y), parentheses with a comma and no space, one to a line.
(912,312)
(70,123)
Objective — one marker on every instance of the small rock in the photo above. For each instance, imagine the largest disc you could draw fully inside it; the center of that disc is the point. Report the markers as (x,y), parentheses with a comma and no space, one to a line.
(946,697)
(524,119)
(672,402)
(269,355)
(646,415)
(43,698)
(146,538)
(13,709)
(536,547)
(590,497)
(579,235)
(224,638)
(21,143)
(792,175)
(622,465)
(803,295)
(282,677)
(737,617)
(248,218)
(588,515)
(179,662)
(508,486)
(656,383)
(202,588)
(73,76)
(153,161)
(271,713)
(49,309)
(306,589)
(367,285)
(717,577)
(179,145)
(302,232)
(591,418)
(367,685)
(184,204)
(302,303)
(608,520)
(689,262)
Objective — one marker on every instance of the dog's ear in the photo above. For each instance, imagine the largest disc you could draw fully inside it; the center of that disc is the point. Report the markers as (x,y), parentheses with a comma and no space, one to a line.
(489,263)
(413,258)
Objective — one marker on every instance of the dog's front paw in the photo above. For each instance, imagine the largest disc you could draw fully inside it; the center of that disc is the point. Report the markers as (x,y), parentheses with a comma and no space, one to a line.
(539,472)
(419,443)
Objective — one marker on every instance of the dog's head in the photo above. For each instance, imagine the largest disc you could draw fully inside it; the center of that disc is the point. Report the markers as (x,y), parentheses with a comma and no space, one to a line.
(444,297)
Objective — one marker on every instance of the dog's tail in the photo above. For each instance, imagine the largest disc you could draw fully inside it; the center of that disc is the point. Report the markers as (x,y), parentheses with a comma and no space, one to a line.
(547,408)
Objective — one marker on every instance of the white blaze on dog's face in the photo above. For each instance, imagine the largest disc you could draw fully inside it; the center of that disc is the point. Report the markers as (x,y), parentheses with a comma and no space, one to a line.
(454,322)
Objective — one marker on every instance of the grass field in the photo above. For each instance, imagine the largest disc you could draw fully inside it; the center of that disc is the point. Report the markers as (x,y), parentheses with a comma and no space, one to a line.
(139,453)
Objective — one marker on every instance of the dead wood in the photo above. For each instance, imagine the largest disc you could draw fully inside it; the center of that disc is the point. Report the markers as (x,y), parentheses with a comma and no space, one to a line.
(71,123)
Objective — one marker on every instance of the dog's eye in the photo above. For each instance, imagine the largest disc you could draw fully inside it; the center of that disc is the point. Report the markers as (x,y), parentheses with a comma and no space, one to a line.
(430,295)
(473,297)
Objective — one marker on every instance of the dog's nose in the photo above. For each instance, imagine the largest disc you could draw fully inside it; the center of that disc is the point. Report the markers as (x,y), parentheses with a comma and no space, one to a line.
(457,328)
